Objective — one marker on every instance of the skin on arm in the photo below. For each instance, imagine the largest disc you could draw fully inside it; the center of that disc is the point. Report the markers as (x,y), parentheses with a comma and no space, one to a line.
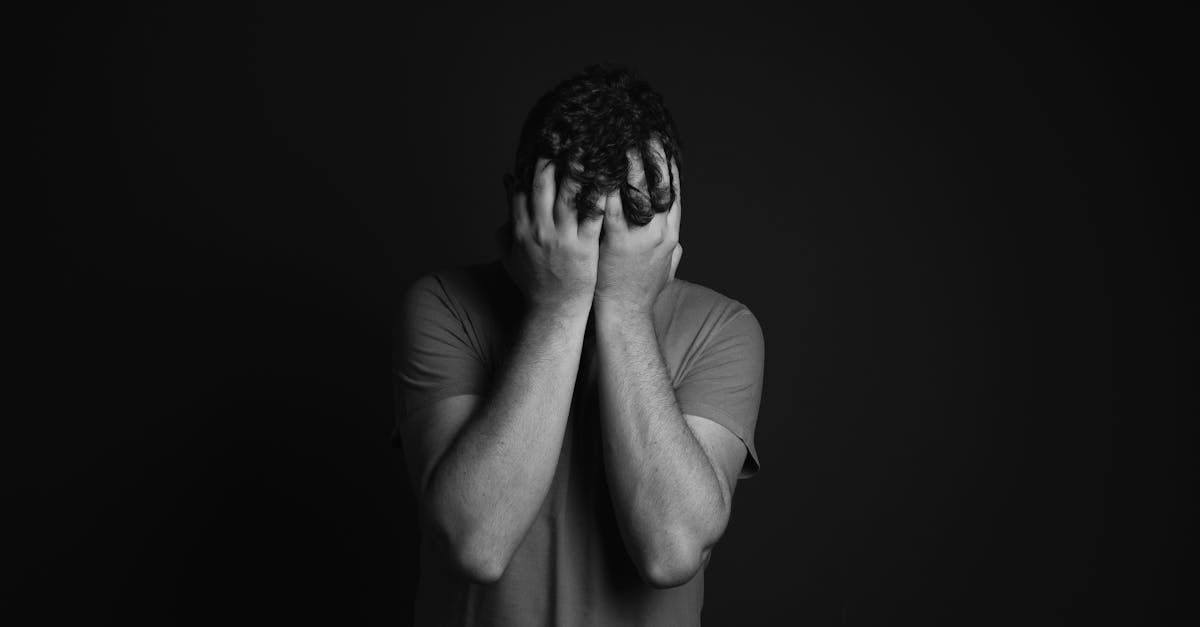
(671,476)
(486,467)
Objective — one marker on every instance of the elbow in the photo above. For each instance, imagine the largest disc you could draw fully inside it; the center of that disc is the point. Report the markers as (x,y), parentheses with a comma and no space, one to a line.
(480,567)
(678,557)
(672,573)
(676,566)
(474,556)
(479,559)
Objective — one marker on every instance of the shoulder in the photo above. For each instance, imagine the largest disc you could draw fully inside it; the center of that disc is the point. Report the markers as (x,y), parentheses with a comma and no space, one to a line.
(458,279)
(696,306)
(460,289)
(693,320)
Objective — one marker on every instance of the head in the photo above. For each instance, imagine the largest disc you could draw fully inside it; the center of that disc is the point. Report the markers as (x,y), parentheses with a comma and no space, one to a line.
(593,126)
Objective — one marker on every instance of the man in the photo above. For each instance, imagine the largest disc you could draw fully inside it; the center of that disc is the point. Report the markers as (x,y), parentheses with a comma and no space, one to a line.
(575,418)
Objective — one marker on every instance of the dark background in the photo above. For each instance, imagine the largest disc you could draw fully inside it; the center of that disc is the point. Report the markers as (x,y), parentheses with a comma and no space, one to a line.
(963,234)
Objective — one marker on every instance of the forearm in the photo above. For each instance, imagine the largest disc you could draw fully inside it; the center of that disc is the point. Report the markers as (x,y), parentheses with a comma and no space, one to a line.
(668,500)
(488,487)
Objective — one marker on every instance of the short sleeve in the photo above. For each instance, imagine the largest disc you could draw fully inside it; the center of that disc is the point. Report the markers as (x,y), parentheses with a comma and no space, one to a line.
(434,356)
(724,383)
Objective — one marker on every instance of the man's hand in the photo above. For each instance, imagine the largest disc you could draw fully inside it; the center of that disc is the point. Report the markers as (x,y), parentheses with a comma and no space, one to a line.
(553,256)
(636,263)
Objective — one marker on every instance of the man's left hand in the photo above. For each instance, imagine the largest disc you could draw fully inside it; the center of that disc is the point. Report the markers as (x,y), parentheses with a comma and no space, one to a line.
(636,263)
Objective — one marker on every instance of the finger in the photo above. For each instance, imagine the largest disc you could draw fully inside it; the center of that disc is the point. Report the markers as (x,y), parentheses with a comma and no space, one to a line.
(657,228)
(660,170)
(637,175)
(591,224)
(676,256)
(590,227)
(675,215)
(639,186)
(520,214)
(614,215)
(542,196)
(565,217)
(518,211)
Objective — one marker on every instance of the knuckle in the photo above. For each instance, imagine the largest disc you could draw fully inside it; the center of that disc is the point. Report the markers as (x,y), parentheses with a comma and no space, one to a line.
(547,236)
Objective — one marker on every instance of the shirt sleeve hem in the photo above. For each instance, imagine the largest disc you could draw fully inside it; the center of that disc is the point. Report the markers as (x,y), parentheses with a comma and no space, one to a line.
(722,417)
(428,399)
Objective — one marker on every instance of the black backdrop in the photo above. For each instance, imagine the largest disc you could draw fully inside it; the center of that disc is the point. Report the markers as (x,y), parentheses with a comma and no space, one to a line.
(963,233)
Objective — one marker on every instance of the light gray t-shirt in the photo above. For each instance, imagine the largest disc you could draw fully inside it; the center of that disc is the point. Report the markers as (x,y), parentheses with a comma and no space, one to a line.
(572,568)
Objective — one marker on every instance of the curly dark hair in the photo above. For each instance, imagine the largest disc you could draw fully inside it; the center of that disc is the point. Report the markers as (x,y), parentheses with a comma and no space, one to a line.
(587,124)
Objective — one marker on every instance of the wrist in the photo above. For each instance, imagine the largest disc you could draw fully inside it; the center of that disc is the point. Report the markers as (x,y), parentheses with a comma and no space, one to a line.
(624,313)
(568,309)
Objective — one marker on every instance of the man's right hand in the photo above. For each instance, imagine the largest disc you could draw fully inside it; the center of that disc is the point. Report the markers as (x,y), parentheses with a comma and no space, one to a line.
(553,256)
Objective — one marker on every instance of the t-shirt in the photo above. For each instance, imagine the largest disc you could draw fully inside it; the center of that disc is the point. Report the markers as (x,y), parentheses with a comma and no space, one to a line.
(572,568)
